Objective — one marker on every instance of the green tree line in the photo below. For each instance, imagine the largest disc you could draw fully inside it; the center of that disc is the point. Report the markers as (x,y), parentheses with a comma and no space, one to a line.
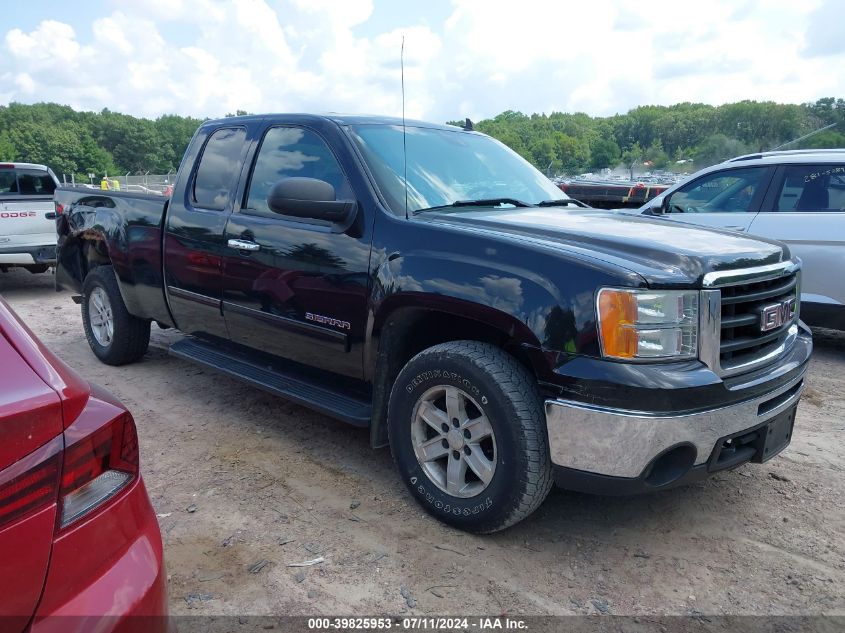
(111,143)
(101,143)
(663,135)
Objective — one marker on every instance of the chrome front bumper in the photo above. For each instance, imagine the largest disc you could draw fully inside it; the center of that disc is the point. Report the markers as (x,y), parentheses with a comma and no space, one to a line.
(623,443)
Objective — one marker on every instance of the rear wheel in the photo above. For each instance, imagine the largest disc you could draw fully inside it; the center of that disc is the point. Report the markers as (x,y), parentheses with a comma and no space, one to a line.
(115,336)
(467,432)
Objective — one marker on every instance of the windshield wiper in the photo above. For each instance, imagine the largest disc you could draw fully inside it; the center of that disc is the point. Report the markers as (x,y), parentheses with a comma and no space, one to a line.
(562,203)
(483,202)
(490,202)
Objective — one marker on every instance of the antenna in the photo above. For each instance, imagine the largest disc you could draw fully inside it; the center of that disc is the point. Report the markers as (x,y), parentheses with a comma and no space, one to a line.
(801,138)
(404,144)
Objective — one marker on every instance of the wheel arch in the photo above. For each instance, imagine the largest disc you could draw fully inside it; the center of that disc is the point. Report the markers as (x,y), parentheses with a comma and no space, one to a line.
(109,230)
(78,254)
(401,333)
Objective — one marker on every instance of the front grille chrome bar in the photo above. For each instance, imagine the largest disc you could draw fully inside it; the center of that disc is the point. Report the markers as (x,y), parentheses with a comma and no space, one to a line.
(710,329)
(710,317)
(720,278)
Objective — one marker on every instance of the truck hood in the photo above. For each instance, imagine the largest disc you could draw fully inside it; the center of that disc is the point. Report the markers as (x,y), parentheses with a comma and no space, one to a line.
(661,252)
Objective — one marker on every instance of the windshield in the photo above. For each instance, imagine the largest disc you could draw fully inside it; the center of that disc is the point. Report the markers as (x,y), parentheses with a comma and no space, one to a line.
(447,166)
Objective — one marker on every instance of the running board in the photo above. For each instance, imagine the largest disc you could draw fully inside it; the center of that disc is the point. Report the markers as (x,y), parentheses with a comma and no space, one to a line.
(343,407)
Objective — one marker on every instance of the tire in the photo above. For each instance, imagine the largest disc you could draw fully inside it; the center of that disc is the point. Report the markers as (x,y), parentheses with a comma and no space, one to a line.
(507,475)
(128,337)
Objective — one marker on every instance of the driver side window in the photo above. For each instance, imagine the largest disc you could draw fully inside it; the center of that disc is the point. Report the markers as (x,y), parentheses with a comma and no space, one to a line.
(731,191)
(292,151)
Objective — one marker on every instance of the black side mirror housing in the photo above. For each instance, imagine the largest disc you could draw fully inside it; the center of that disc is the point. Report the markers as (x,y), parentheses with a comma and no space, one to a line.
(309,198)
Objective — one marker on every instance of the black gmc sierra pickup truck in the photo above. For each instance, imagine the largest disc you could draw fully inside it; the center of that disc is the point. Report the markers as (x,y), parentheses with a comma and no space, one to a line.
(426,282)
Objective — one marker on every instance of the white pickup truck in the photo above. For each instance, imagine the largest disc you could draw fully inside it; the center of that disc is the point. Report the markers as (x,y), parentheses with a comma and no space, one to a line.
(27,217)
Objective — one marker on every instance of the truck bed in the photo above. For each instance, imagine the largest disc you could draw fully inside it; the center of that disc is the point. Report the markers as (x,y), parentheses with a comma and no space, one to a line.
(131,228)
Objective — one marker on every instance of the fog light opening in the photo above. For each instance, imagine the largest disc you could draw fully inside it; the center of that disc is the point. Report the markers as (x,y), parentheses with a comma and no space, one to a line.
(671,466)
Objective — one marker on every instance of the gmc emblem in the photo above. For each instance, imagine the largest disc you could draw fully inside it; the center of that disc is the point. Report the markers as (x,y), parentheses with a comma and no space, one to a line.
(777,314)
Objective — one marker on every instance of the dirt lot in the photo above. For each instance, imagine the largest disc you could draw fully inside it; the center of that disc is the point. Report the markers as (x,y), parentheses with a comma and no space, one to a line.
(240,477)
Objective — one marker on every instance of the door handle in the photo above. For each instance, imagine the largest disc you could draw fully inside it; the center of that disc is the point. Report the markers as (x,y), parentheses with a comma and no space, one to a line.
(244,245)
(735,228)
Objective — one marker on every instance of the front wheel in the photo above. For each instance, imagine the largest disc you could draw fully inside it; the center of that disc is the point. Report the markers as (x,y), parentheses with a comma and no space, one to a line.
(114,335)
(467,433)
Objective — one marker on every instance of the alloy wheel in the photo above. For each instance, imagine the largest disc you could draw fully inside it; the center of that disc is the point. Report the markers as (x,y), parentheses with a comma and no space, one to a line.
(454,441)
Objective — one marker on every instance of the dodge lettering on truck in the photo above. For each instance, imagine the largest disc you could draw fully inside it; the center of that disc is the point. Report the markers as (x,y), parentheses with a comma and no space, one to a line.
(427,283)
(27,226)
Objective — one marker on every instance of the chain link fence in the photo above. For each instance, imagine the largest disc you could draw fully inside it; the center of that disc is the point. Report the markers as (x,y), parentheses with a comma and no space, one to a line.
(137,183)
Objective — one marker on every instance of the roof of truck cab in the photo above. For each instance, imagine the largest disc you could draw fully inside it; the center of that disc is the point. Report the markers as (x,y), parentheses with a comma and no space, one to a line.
(340,119)
(25,165)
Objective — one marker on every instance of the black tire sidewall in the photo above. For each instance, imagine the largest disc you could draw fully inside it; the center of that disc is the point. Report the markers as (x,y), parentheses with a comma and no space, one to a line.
(489,509)
(131,334)
(93,281)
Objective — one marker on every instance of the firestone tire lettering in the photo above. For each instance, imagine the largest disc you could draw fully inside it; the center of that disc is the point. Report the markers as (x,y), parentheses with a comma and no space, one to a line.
(522,476)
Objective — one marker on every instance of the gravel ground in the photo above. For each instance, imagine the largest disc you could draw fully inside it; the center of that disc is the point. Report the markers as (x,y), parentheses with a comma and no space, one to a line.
(247,484)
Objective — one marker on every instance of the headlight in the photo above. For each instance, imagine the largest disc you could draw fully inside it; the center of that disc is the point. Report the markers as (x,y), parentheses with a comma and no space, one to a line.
(648,324)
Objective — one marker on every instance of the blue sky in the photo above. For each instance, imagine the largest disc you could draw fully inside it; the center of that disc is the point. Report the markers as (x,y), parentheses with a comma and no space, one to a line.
(386,14)
(471,58)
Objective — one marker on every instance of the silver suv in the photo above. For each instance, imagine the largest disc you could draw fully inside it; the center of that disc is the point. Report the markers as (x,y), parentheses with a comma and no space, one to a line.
(797,197)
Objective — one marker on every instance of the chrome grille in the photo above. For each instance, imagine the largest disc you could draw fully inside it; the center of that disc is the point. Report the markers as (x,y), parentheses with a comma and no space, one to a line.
(736,340)
(742,339)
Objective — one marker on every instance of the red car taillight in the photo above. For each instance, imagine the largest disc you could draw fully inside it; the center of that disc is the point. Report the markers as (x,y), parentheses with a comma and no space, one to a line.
(97,467)
(94,469)
(60,208)
(30,484)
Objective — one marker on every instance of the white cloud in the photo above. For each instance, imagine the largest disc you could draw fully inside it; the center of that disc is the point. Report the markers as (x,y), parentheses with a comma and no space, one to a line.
(825,34)
(110,32)
(340,13)
(25,83)
(52,43)
(207,58)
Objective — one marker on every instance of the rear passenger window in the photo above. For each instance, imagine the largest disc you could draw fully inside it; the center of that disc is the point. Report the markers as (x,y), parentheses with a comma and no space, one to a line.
(812,188)
(218,169)
(8,182)
(26,182)
(292,151)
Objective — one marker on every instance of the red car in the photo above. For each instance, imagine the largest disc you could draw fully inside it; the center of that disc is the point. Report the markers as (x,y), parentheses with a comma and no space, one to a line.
(80,547)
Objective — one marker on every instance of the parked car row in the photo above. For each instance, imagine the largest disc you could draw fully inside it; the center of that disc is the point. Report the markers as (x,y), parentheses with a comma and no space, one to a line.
(797,197)
(422,281)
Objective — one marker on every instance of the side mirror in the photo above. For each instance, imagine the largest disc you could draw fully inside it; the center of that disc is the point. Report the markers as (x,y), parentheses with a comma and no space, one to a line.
(657,207)
(309,198)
